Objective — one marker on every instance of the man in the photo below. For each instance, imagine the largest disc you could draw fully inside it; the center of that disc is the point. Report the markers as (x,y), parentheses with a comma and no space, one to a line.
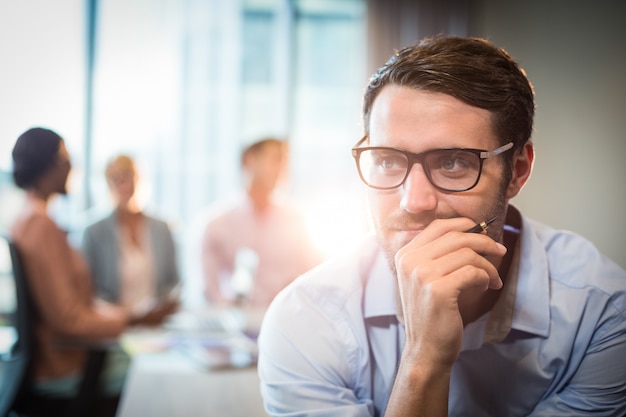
(253,247)
(515,319)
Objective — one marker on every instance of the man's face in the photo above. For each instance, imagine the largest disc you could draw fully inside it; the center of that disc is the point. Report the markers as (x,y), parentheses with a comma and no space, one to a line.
(267,166)
(418,121)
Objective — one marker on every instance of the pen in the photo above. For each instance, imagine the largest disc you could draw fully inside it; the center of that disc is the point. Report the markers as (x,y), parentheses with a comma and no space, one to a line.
(482,226)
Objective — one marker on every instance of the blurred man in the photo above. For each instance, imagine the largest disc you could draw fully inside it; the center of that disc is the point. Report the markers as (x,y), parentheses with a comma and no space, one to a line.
(255,246)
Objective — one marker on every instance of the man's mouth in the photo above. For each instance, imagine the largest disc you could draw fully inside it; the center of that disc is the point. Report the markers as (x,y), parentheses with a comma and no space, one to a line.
(406,232)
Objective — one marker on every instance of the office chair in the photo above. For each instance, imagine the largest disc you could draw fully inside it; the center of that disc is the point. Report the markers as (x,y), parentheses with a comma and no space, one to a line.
(21,399)
(15,344)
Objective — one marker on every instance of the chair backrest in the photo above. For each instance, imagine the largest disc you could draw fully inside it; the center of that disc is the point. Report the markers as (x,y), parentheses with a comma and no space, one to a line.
(15,333)
(17,347)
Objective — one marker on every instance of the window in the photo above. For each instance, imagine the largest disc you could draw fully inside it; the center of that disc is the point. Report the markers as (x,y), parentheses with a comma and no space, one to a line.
(183,85)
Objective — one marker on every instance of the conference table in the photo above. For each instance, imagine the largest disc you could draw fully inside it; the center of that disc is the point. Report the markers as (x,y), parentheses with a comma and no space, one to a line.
(200,363)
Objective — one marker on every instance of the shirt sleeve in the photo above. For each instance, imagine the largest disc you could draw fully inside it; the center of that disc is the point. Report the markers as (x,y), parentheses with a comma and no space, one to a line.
(171,254)
(598,388)
(88,248)
(308,362)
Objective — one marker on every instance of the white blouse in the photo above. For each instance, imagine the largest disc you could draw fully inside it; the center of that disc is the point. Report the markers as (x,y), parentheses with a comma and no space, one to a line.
(137,286)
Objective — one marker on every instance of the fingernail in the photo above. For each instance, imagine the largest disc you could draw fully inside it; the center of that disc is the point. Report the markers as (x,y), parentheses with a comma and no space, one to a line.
(499,284)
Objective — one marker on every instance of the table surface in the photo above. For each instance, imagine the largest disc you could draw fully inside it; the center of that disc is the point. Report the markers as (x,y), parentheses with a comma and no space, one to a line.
(167,378)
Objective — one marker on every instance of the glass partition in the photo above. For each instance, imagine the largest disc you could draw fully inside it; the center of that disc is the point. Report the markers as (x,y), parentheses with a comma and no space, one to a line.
(8,302)
(182,86)
(10,360)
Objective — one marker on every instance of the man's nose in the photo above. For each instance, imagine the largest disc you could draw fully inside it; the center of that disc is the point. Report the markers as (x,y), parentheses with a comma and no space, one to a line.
(418,194)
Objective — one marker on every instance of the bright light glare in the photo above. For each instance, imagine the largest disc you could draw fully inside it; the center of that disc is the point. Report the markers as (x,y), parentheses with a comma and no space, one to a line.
(336,222)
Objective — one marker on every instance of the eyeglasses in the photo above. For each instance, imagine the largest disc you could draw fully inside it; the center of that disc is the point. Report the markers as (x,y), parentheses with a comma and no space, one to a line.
(452,170)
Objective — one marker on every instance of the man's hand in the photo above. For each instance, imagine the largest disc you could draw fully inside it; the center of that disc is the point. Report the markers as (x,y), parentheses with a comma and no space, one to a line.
(434,270)
(442,273)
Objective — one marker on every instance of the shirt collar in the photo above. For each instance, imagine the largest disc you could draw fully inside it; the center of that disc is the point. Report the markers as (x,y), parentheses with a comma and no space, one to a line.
(532,303)
(524,302)
(380,293)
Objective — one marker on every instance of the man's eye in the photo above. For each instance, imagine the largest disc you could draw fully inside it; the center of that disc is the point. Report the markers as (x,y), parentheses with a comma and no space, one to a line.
(451,164)
(455,163)
(389,162)
(386,163)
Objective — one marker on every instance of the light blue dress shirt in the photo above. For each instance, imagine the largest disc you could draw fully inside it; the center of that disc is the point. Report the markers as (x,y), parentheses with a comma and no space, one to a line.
(330,342)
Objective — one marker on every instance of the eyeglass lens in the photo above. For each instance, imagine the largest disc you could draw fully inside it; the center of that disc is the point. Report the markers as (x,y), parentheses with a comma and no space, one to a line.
(447,169)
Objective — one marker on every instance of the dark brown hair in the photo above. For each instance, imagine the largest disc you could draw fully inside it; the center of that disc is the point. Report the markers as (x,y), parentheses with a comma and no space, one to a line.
(469,69)
(258,146)
(33,154)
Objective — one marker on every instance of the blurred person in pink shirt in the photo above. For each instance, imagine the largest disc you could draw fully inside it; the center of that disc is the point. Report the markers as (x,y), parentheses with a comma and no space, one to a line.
(254,246)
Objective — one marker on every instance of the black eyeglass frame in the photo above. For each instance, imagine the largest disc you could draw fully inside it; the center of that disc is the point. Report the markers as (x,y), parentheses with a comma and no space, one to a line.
(412,158)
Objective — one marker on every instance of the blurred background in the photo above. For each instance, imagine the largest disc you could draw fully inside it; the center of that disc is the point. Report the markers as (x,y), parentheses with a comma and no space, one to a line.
(183,85)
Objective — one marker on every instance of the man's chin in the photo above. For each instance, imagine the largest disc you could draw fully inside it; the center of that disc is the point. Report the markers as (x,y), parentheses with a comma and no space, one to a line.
(390,249)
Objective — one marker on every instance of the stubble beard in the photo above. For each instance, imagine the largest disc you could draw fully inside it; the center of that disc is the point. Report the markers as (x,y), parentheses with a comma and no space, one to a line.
(390,248)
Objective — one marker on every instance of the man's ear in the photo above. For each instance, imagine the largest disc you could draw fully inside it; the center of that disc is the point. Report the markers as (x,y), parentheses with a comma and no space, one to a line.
(522,168)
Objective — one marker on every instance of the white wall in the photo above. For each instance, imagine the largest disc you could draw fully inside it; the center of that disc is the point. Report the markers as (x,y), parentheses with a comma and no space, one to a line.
(41,76)
(574,54)
(41,84)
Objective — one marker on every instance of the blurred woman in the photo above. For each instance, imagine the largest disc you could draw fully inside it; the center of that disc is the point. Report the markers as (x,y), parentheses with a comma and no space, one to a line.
(132,255)
(57,275)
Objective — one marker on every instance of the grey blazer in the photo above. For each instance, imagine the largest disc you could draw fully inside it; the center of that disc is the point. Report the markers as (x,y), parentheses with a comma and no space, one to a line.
(101,249)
